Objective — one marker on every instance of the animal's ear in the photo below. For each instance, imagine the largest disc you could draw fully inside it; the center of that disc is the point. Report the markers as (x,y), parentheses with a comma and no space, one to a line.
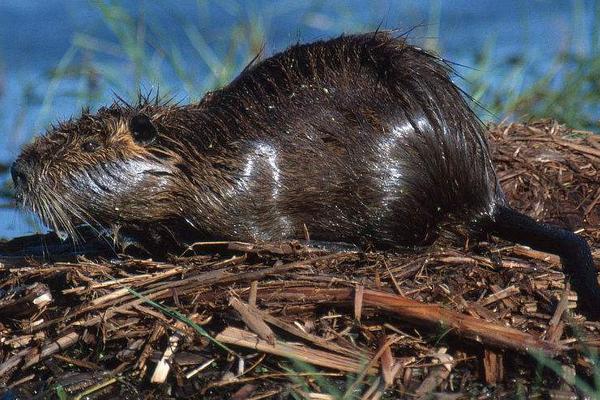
(142,129)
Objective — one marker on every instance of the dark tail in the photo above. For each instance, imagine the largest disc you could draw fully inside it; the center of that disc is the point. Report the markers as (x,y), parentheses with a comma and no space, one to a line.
(574,252)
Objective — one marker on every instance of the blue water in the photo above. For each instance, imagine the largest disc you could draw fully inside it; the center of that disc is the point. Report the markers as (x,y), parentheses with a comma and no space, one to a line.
(37,36)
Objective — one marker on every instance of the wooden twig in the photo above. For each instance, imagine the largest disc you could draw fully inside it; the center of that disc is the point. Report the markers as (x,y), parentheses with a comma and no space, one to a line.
(536,255)
(53,347)
(163,366)
(32,299)
(358,301)
(157,332)
(492,334)
(556,326)
(253,320)
(494,297)
(316,340)
(79,363)
(301,353)
(493,366)
(437,374)
(253,293)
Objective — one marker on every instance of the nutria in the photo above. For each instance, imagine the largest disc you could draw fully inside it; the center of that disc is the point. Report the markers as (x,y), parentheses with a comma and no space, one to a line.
(363,138)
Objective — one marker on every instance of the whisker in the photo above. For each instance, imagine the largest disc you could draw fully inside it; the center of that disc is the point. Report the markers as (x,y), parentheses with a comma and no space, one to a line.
(82,215)
(62,217)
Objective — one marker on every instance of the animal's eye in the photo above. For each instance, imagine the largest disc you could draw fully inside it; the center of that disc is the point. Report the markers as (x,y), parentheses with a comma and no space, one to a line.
(90,146)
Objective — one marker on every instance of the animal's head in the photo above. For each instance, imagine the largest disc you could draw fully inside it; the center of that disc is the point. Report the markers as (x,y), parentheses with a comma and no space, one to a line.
(113,167)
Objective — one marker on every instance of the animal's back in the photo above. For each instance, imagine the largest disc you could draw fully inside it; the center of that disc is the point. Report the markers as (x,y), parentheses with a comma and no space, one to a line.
(360,138)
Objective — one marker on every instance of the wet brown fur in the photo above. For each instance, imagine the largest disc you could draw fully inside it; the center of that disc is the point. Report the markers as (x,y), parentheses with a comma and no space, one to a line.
(304,137)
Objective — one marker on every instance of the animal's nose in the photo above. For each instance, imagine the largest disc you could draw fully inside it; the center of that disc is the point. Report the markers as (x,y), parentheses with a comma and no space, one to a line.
(19,171)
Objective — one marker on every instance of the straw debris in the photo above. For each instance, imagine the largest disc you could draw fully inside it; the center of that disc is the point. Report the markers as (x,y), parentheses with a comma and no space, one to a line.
(273,320)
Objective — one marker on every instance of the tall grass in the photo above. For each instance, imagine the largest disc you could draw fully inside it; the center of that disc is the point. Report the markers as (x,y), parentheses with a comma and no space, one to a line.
(568,91)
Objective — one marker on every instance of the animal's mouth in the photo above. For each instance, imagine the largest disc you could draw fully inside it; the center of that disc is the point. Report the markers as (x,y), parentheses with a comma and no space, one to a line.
(90,196)
(23,196)
(20,173)
(39,199)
